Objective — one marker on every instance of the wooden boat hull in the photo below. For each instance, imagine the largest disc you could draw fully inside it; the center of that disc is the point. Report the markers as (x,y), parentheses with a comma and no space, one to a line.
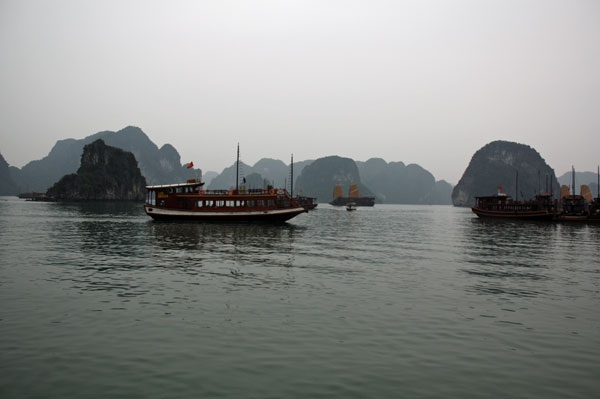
(573,218)
(269,216)
(504,214)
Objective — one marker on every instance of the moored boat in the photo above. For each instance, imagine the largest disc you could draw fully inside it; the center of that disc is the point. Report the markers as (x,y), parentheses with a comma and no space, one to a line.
(573,206)
(594,207)
(502,206)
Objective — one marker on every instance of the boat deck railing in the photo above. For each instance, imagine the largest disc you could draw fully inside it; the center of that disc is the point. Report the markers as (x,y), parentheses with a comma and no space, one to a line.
(251,191)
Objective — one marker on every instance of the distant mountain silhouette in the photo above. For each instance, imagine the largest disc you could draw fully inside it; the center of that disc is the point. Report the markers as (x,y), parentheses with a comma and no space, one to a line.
(272,172)
(7,185)
(319,178)
(588,178)
(496,164)
(159,166)
(208,176)
(396,183)
(226,179)
(106,173)
(391,182)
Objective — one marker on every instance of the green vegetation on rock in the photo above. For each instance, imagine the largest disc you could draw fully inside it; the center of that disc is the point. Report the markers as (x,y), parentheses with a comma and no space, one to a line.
(497,164)
(106,173)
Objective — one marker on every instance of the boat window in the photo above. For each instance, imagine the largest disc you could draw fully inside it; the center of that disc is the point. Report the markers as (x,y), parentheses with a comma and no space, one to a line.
(251,203)
(199,204)
(230,203)
(151,197)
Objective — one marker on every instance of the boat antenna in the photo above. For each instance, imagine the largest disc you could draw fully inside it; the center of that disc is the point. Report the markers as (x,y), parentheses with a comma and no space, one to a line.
(292,176)
(237,169)
(598,187)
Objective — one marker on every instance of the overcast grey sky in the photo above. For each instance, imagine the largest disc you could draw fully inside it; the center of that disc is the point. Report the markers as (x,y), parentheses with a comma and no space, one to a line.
(426,82)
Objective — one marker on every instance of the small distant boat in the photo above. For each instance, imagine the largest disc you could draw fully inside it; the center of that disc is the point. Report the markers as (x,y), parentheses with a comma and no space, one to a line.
(353,196)
(351,206)
(188,201)
(34,196)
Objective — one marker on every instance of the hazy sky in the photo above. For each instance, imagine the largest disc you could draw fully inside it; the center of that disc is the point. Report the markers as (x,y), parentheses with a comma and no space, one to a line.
(426,82)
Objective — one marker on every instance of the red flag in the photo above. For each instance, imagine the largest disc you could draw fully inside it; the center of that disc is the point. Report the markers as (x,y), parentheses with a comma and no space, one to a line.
(190,165)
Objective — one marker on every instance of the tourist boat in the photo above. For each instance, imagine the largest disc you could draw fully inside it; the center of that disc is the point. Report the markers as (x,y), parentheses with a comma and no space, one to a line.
(502,206)
(594,215)
(353,196)
(351,206)
(573,206)
(594,211)
(188,201)
(309,203)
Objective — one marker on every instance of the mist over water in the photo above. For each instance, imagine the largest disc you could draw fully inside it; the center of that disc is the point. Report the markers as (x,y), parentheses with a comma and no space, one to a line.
(394,301)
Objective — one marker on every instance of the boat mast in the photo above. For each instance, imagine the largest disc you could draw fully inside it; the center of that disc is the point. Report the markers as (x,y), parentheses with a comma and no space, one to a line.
(573,178)
(292,177)
(237,169)
(517,186)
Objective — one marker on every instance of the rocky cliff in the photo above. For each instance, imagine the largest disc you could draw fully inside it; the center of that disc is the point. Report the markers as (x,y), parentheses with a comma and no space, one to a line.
(106,173)
(319,178)
(272,171)
(397,183)
(498,164)
(158,166)
(7,185)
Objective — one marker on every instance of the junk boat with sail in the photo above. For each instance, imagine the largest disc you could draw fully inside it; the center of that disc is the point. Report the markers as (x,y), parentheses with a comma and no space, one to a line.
(353,196)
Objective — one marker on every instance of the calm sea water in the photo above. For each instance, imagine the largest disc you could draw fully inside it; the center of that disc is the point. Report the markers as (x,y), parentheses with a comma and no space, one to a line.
(396,301)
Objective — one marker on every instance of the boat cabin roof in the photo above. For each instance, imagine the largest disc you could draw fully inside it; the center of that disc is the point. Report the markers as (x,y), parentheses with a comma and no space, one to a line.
(187,184)
(494,197)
